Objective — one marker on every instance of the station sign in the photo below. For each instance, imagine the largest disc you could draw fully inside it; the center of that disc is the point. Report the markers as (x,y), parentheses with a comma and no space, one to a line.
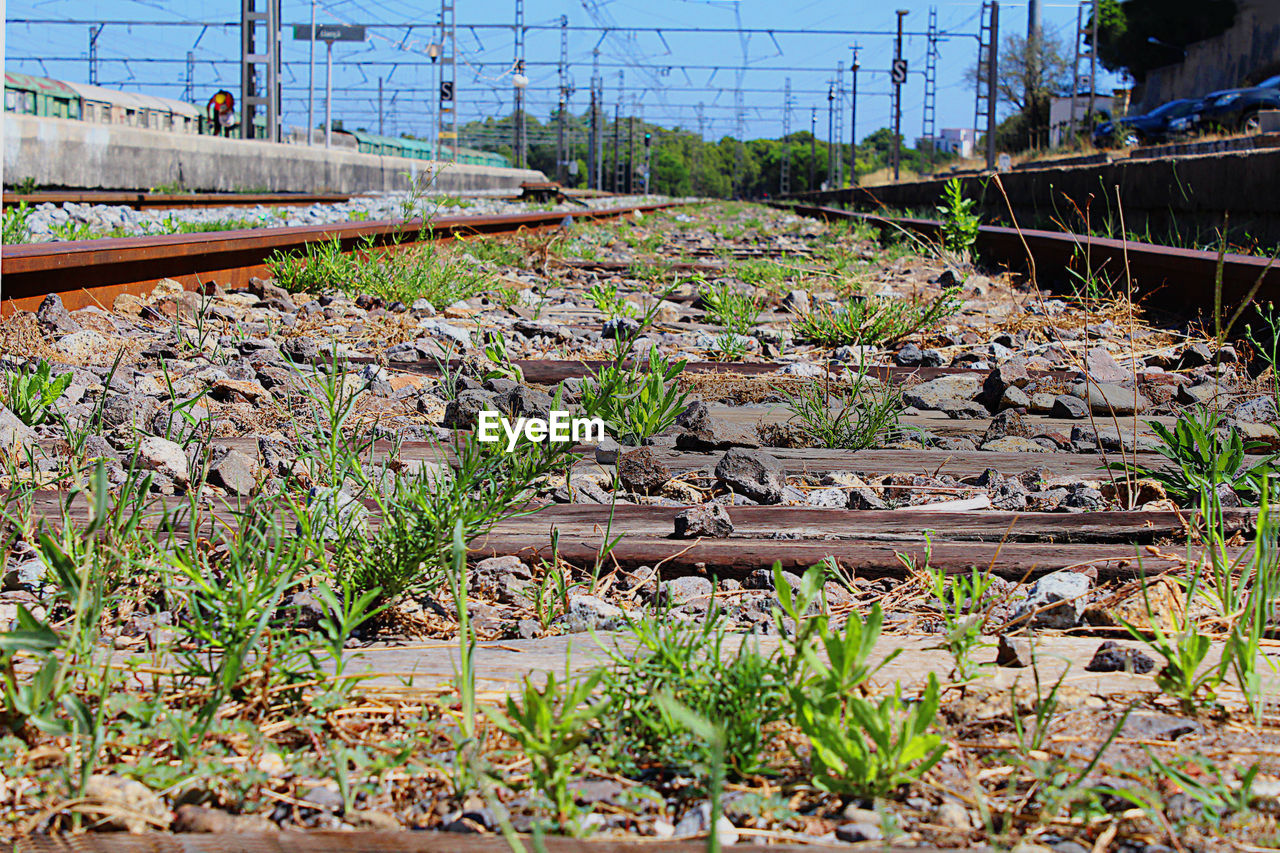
(328,32)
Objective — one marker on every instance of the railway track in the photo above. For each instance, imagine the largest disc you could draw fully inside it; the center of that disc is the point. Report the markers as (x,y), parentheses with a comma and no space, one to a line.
(94,272)
(1181,281)
(1002,461)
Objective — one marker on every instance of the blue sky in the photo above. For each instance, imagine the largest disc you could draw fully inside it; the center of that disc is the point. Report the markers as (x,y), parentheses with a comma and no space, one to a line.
(664,78)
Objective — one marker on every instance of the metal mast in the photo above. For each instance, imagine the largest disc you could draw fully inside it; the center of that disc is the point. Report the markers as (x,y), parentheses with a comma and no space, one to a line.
(189,87)
(519,128)
(260,50)
(929,127)
(784,178)
(853,118)
(617,144)
(593,137)
(447,114)
(897,99)
(561,155)
(984,110)
(839,134)
(94,32)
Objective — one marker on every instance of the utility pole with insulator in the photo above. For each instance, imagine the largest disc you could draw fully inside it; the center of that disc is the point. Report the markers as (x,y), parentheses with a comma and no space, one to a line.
(831,148)
(784,168)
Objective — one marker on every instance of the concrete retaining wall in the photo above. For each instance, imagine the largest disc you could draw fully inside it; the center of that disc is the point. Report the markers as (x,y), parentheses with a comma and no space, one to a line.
(1186,196)
(1247,52)
(77,155)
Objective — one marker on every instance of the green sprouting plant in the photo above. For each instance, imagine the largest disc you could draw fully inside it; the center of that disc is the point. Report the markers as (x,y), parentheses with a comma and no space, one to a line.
(735,311)
(959,222)
(495,348)
(849,415)
(1203,458)
(608,301)
(549,725)
(743,690)
(859,747)
(30,394)
(1204,782)
(714,736)
(72,230)
(465,674)
(864,748)
(635,402)
(729,347)
(231,604)
(422,270)
(874,321)
(1267,348)
(493,250)
(1184,651)
(963,617)
(16,228)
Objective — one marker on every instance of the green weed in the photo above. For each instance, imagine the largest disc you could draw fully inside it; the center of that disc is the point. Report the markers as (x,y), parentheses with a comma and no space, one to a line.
(874,321)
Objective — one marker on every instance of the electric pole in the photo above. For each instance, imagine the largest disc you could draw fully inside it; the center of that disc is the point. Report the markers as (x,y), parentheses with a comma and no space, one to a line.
(853,120)
(813,147)
(518,83)
(784,172)
(831,150)
(631,152)
(899,77)
(94,32)
(593,137)
(561,154)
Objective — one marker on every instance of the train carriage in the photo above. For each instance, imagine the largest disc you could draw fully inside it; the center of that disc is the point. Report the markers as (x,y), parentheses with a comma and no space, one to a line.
(40,96)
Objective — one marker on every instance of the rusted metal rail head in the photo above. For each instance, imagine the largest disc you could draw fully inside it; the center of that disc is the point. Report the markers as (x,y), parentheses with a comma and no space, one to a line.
(94,272)
(379,842)
(1184,279)
(141,200)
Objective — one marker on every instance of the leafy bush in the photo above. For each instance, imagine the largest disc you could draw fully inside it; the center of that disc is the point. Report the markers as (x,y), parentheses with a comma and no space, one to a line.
(395,274)
(874,321)
(846,416)
(859,747)
(608,301)
(959,222)
(744,692)
(31,394)
(635,402)
(15,227)
(735,311)
(549,724)
(1203,457)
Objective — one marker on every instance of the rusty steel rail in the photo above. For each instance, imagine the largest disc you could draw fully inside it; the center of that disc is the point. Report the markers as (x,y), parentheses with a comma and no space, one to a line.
(89,272)
(1183,278)
(141,200)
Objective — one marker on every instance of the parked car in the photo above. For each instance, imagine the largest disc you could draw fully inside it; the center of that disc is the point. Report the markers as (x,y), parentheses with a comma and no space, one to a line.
(1159,125)
(1236,110)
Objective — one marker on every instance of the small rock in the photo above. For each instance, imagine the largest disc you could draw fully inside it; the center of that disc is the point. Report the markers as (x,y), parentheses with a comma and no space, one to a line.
(952,815)
(1142,725)
(1112,657)
(54,317)
(852,833)
(1259,410)
(114,802)
(710,520)
(641,471)
(1061,594)
(322,798)
(1102,368)
(14,434)
(752,473)
(463,412)
(797,302)
(235,472)
(193,818)
(1066,406)
(1007,423)
(1014,652)
(164,457)
(685,590)
(1106,399)
(1193,355)
(1009,374)
(908,356)
(938,394)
